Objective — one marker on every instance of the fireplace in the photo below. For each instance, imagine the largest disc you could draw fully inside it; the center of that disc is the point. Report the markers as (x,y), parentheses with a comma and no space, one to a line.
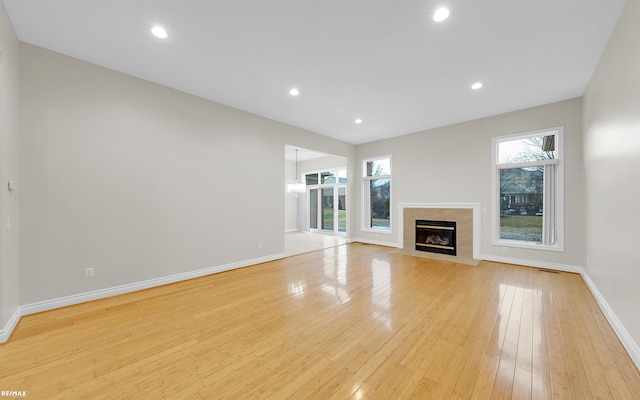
(436,236)
(465,215)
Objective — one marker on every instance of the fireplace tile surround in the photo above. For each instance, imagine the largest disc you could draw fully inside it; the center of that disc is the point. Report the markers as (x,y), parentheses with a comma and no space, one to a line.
(463,214)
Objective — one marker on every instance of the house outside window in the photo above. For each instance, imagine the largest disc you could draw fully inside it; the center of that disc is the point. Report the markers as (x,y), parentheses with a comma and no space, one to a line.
(528,195)
(376,194)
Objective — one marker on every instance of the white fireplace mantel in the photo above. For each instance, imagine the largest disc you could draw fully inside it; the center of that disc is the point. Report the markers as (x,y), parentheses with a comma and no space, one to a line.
(475,207)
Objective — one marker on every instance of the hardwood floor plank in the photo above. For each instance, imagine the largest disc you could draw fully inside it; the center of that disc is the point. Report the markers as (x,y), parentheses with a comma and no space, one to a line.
(351,322)
(522,379)
(559,367)
(540,364)
(566,308)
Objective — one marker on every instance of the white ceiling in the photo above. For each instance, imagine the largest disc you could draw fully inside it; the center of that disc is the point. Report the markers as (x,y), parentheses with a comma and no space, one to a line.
(384,61)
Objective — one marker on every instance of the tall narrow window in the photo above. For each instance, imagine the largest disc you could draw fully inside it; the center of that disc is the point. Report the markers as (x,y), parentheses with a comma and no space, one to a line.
(376,193)
(528,189)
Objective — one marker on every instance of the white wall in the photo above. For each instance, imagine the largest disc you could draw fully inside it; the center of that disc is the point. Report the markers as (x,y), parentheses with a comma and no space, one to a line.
(140,181)
(9,142)
(322,164)
(612,167)
(453,165)
(290,200)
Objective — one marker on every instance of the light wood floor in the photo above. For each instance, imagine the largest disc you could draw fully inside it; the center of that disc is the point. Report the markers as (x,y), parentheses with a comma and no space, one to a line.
(350,322)
(304,242)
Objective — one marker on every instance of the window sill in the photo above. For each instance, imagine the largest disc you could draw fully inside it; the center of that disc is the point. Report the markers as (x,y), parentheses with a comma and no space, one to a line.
(527,245)
(374,230)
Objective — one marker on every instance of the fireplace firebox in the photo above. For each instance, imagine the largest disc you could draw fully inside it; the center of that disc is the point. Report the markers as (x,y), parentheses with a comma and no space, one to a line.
(436,236)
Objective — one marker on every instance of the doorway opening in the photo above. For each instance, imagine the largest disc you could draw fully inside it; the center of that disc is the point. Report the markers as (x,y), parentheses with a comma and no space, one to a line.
(317,218)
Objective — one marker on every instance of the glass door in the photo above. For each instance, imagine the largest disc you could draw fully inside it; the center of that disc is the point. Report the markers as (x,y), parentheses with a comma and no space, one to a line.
(327,201)
(313,208)
(342,208)
(328,215)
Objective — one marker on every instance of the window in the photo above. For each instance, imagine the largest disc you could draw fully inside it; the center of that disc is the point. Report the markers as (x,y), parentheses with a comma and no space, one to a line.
(528,189)
(376,190)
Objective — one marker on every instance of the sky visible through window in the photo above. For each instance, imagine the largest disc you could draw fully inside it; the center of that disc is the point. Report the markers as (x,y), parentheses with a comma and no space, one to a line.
(524,150)
(510,150)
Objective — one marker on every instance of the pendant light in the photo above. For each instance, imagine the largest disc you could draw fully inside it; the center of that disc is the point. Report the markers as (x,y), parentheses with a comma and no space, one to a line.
(296,187)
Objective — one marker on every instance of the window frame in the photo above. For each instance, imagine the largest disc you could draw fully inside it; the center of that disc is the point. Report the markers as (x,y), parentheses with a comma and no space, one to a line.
(557,188)
(365,225)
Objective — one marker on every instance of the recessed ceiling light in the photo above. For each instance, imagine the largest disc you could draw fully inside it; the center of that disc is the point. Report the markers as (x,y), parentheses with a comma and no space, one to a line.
(294,92)
(358,121)
(441,14)
(476,85)
(159,31)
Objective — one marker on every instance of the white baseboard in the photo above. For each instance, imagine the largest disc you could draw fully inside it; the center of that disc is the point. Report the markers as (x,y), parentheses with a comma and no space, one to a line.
(5,332)
(623,334)
(47,305)
(535,264)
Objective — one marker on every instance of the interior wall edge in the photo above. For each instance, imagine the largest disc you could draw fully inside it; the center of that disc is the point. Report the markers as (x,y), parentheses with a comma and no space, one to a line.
(5,333)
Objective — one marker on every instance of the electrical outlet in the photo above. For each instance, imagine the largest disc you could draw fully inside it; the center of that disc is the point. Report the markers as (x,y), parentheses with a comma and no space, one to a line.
(88,272)
(259,245)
